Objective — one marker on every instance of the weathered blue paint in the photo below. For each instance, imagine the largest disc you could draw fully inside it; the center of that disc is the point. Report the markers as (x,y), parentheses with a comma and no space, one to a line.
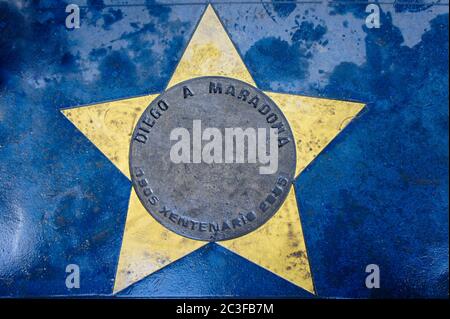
(378,194)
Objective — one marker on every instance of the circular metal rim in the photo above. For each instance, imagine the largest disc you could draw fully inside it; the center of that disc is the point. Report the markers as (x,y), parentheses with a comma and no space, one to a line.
(282,198)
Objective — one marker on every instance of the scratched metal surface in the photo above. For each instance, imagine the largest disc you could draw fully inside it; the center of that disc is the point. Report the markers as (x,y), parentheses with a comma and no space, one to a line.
(377,194)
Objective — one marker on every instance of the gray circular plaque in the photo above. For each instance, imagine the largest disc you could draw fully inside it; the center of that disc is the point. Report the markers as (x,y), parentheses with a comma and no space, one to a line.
(212,158)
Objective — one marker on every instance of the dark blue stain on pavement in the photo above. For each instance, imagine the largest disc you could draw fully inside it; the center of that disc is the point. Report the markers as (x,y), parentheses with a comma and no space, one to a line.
(378,194)
(386,181)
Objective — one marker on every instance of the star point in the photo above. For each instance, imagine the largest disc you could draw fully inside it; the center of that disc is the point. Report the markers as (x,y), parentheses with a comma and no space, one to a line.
(210,52)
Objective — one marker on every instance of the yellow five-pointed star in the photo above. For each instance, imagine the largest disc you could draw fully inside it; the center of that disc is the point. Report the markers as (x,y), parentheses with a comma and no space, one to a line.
(278,245)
